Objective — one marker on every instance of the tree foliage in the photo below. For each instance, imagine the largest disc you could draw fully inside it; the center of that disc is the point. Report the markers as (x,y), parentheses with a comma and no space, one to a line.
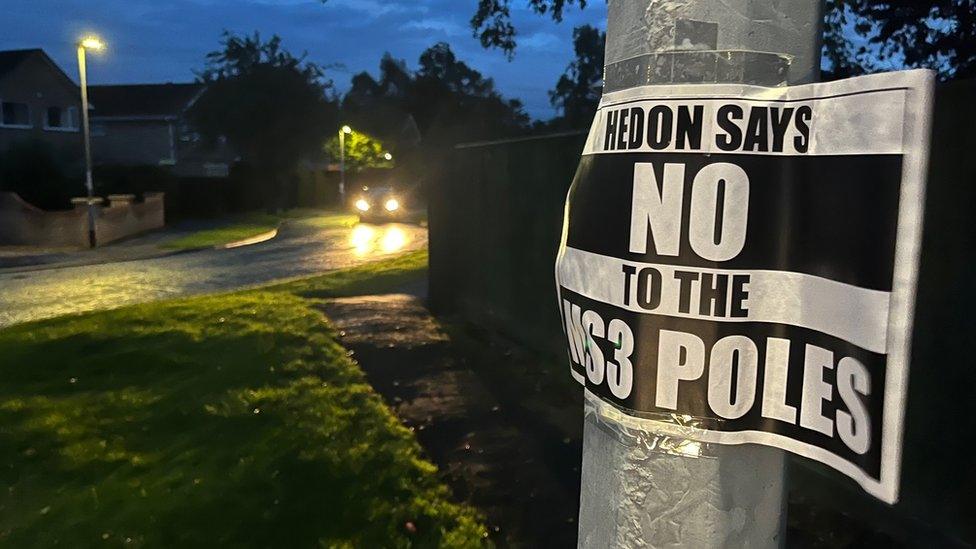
(939,34)
(377,105)
(419,114)
(361,151)
(445,98)
(274,108)
(492,23)
(38,173)
(860,36)
(578,90)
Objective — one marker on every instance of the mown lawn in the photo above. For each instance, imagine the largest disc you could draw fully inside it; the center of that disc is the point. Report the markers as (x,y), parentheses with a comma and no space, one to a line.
(225,420)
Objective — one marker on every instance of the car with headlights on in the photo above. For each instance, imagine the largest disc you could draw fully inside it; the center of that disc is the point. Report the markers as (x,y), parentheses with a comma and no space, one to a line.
(377,204)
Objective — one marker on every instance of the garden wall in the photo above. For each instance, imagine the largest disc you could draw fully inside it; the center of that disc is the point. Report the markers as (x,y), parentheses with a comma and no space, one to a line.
(22,224)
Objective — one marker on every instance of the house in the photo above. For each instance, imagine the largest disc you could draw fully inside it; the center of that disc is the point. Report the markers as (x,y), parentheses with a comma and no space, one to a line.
(38,101)
(146,125)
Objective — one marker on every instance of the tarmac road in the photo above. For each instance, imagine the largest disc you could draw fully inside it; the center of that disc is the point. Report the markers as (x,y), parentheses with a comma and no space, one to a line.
(298,250)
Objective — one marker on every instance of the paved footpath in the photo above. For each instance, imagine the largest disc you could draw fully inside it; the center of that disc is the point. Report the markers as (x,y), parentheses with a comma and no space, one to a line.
(300,249)
(483,411)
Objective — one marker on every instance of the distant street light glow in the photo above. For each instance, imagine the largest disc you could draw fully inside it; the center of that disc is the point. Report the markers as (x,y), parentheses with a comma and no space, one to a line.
(388,156)
(346,129)
(92,43)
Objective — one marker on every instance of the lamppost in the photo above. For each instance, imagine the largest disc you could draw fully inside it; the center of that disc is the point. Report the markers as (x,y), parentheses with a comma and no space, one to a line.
(94,44)
(342,162)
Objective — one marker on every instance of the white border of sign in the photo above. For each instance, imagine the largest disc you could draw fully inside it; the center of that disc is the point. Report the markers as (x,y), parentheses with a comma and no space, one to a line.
(918,88)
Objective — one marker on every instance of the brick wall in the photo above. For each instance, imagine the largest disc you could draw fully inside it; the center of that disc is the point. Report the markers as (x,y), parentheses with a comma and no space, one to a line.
(22,224)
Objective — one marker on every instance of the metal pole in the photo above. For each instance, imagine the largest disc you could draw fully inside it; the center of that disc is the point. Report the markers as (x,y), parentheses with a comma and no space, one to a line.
(633,493)
(89,185)
(342,165)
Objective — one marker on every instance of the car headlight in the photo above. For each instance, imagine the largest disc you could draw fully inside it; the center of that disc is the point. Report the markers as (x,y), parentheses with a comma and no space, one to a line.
(362,205)
(392,205)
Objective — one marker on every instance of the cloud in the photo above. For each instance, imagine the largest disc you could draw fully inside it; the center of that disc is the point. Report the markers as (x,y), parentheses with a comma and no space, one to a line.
(154,41)
(375,8)
(541,40)
(442,25)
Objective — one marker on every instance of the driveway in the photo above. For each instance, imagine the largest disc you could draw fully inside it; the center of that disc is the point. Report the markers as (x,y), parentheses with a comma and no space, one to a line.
(299,250)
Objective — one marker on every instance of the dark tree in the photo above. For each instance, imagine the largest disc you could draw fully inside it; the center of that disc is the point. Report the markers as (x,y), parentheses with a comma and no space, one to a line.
(376,106)
(465,105)
(274,108)
(578,90)
(493,26)
(37,172)
(939,34)
(362,151)
(860,36)
(420,114)
(446,98)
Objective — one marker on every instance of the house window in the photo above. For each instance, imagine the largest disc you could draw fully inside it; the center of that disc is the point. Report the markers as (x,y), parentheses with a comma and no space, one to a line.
(16,115)
(187,135)
(61,118)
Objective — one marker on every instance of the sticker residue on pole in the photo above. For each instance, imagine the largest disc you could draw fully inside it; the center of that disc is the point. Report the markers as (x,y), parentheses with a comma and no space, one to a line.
(748,257)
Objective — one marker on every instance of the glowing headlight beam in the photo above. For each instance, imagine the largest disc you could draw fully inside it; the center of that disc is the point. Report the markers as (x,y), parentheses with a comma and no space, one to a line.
(394,240)
(362,205)
(362,239)
(392,205)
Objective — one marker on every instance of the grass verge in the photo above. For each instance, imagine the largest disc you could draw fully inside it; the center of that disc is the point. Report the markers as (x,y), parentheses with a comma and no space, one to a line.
(369,278)
(231,419)
(250,225)
(239,228)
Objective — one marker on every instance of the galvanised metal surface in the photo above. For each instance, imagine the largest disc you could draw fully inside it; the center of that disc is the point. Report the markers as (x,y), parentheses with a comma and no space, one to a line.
(641,489)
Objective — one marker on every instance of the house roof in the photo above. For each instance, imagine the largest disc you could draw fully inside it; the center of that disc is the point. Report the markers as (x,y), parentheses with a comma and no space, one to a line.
(143,100)
(11,59)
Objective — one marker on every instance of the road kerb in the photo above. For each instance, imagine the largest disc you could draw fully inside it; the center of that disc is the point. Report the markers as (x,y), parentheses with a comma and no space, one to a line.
(256,239)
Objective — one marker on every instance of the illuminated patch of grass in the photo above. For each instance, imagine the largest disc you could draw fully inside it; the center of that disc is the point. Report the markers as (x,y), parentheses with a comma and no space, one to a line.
(328,221)
(238,229)
(373,277)
(227,420)
(254,224)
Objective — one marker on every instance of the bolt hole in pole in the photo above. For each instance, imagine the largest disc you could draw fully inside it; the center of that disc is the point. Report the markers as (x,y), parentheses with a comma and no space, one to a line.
(633,494)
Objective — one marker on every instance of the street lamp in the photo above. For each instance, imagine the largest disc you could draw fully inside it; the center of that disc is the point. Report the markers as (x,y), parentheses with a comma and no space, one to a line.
(388,156)
(94,44)
(342,162)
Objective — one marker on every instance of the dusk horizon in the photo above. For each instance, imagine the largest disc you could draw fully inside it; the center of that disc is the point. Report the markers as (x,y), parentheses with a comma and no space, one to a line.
(152,43)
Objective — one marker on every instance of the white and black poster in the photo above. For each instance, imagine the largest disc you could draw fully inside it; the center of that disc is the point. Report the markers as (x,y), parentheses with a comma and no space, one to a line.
(748,257)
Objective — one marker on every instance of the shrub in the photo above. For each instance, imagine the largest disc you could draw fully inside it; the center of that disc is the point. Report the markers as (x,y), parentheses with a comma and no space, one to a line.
(34,170)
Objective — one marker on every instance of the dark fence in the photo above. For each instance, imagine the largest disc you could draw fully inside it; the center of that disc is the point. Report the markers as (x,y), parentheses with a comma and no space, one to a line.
(495,215)
(495,220)
(242,191)
(939,479)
